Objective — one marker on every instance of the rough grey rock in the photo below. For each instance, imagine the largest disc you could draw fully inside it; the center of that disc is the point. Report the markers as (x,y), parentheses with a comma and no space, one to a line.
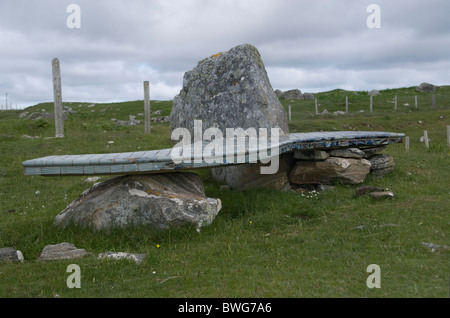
(279,94)
(381,164)
(363,190)
(161,119)
(247,176)
(156,200)
(369,152)
(348,153)
(45,115)
(435,247)
(311,155)
(138,258)
(330,170)
(9,254)
(131,122)
(293,94)
(229,90)
(373,92)
(382,195)
(61,251)
(308,96)
(426,88)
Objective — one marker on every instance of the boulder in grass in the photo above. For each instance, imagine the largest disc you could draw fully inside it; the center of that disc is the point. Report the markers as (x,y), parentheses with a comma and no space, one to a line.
(330,170)
(160,201)
(426,88)
(10,254)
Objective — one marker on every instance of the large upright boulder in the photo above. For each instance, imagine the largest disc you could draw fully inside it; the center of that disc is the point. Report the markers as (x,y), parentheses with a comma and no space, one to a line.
(229,90)
(232,90)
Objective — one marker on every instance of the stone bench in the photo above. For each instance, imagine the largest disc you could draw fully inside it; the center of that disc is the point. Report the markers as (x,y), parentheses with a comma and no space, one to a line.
(145,195)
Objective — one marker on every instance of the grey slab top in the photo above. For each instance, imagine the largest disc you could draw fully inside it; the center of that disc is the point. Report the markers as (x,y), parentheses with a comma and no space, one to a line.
(196,155)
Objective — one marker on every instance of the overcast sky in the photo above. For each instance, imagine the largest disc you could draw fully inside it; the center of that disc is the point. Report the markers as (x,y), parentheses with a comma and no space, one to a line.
(310,45)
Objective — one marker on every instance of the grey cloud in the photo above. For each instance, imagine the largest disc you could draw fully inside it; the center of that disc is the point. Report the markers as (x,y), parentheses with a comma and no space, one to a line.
(311,45)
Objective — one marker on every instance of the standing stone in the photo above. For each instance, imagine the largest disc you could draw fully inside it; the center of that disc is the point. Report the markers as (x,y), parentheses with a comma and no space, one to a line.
(229,90)
(330,170)
(156,200)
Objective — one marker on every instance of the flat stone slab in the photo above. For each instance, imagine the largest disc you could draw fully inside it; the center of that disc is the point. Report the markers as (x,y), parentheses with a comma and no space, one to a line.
(61,251)
(138,258)
(156,161)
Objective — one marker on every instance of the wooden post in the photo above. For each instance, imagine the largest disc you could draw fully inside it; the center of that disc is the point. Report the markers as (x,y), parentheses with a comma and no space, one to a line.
(433,101)
(317,109)
(395,102)
(289,112)
(425,135)
(346,104)
(415,101)
(448,136)
(370,103)
(57,96)
(407,143)
(147,107)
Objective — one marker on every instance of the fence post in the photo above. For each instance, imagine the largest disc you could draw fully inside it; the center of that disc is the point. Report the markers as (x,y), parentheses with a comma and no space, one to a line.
(346,104)
(415,101)
(448,136)
(57,95)
(370,103)
(317,110)
(395,102)
(147,107)
(425,135)
(289,112)
(407,143)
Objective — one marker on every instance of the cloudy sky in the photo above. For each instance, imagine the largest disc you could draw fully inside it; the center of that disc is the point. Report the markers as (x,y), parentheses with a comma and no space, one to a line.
(310,45)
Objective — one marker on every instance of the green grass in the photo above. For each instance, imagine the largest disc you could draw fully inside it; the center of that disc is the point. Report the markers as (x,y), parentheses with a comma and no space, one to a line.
(262,243)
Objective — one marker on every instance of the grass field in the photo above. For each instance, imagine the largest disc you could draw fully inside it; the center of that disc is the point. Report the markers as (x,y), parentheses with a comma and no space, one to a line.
(262,243)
